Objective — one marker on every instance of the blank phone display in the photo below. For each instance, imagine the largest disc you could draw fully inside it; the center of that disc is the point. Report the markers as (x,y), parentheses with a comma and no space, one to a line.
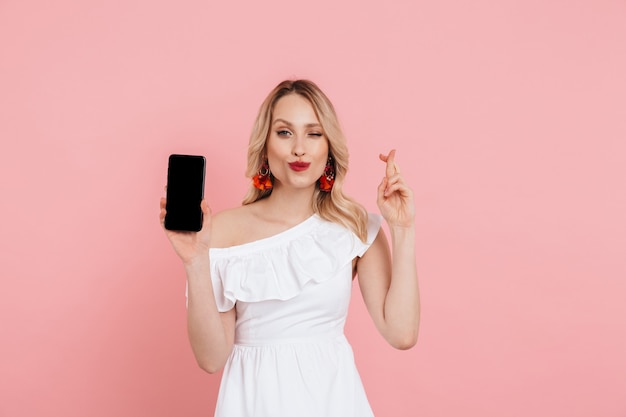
(185,190)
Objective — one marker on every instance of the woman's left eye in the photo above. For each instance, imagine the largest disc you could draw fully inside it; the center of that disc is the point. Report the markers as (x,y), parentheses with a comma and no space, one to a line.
(315,134)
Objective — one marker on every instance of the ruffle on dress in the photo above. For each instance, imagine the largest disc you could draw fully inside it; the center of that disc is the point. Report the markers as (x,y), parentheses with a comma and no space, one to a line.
(274,268)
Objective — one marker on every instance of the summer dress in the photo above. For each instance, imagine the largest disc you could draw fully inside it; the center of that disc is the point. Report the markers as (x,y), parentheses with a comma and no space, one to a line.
(291,292)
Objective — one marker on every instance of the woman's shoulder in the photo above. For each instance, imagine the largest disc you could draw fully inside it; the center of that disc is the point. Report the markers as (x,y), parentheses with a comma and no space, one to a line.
(229,226)
(240,225)
(231,214)
(253,222)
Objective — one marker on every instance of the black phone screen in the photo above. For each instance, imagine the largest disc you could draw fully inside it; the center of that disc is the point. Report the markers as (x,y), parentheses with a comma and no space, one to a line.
(185,191)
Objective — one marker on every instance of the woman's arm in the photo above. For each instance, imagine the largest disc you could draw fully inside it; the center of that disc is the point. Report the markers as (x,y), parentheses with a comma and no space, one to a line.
(211,333)
(388,279)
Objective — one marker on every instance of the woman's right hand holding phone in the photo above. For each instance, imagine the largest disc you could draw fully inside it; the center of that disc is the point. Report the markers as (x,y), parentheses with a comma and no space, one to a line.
(190,246)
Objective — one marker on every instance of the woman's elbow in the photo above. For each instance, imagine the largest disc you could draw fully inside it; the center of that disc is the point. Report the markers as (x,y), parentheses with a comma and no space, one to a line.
(404,344)
(210,366)
(405,340)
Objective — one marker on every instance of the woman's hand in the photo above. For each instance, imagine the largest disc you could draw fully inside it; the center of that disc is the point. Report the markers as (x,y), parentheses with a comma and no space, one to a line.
(395,197)
(190,245)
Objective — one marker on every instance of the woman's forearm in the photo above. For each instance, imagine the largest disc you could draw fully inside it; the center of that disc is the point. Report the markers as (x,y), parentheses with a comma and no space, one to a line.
(210,340)
(402,304)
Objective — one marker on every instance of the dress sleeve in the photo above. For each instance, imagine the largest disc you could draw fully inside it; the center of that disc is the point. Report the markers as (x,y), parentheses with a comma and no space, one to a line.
(223,302)
(374,221)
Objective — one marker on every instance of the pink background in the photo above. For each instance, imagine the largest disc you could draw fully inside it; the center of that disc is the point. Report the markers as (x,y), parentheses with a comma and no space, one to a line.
(510,122)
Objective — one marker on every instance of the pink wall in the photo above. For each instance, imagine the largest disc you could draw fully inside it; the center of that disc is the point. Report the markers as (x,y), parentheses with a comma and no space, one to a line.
(510,122)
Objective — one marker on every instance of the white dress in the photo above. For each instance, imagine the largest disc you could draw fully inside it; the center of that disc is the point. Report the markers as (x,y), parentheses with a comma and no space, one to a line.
(291,292)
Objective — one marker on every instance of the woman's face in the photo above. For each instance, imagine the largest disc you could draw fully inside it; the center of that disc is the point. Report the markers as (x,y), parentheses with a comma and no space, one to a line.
(297,148)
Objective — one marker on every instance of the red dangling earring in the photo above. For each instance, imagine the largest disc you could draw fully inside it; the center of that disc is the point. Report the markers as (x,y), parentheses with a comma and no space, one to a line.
(262,180)
(328,178)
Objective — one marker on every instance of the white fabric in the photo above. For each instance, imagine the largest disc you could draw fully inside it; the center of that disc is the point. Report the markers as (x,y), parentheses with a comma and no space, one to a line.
(291,292)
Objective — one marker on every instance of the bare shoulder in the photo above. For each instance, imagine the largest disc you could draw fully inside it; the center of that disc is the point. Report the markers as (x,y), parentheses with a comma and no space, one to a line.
(228,226)
(246,224)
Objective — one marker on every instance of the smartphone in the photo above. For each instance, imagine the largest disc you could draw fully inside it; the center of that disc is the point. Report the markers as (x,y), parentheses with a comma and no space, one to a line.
(185,191)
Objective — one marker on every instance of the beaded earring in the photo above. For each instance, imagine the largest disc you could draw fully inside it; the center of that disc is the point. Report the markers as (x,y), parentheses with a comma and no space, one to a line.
(327,179)
(262,180)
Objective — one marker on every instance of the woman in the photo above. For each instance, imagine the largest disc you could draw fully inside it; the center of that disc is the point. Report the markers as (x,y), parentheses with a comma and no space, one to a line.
(269,282)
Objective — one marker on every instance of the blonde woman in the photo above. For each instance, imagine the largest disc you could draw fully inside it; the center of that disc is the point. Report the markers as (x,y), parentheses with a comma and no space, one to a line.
(269,282)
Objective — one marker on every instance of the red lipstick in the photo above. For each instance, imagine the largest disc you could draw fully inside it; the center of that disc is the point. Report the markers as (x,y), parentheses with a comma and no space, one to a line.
(299,165)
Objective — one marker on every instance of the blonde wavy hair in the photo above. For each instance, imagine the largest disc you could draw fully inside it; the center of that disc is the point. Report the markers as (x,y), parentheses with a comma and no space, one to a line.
(334,206)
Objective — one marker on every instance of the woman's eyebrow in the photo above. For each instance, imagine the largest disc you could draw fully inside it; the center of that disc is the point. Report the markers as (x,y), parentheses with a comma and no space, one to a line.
(283,121)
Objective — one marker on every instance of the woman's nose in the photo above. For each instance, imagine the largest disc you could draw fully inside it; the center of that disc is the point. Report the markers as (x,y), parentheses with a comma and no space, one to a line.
(298,146)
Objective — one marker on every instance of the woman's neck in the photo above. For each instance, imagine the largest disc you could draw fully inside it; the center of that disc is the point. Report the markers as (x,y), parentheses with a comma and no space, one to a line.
(290,206)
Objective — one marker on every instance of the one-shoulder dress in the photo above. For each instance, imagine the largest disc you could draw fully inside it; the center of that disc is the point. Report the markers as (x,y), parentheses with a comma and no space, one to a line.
(291,292)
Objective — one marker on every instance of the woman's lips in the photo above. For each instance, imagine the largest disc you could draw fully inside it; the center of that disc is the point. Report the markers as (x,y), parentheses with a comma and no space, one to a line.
(299,165)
